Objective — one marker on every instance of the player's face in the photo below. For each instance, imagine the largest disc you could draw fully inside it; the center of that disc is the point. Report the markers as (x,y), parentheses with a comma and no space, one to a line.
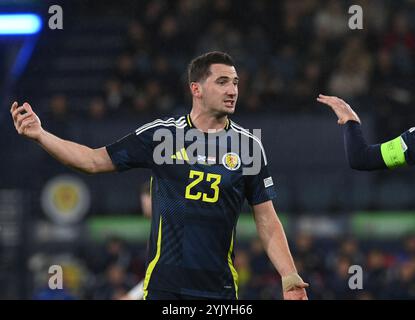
(220,89)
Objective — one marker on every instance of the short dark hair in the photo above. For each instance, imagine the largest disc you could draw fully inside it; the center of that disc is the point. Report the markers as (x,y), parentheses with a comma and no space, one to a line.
(199,67)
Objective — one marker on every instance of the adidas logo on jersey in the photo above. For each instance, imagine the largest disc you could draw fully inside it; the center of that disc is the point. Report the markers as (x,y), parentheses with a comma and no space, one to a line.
(182,155)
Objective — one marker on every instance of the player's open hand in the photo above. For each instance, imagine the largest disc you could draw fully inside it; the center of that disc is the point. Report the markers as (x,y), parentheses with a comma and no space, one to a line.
(342,110)
(26,122)
(296,294)
(293,287)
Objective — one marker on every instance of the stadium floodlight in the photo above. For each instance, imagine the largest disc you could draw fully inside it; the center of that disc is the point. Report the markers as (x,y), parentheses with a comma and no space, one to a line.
(20,24)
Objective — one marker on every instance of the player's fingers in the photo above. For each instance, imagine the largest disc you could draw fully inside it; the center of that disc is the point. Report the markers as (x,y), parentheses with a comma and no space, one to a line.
(16,112)
(28,122)
(327,97)
(336,101)
(14,106)
(23,117)
(301,295)
(298,294)
(25,125)
(332,98)
(323,96)
(326,102)
(322,100)
(20,129)
(27,107)
(37,119)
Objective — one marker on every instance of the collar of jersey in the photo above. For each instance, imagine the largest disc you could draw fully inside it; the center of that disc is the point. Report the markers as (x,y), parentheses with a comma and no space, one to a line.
(192,126)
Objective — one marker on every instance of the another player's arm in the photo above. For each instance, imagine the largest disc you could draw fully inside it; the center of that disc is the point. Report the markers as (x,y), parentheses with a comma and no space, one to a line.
(272,235)
(360,154)
(71,154)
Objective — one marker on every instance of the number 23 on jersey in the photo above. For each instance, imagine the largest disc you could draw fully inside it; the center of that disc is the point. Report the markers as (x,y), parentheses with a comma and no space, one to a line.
(199,176)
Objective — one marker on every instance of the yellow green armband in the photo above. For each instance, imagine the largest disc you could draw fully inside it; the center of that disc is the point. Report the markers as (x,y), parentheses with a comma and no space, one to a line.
(393,153)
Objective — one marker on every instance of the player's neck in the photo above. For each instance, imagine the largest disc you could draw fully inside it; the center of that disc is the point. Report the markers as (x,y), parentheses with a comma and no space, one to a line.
(205,121)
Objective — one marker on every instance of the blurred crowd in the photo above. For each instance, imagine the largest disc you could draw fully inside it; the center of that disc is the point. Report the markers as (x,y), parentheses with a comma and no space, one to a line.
(286,53)
(109,271)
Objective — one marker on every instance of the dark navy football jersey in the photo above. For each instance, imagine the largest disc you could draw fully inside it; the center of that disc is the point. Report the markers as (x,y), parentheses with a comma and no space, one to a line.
(409,146)
(196,200)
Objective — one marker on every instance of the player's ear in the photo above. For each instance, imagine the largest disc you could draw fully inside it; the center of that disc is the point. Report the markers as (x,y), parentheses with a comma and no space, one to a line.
(196,89)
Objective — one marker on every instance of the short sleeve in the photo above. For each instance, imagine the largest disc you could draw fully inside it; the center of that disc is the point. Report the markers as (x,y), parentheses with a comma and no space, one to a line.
(260,187)
(133,151)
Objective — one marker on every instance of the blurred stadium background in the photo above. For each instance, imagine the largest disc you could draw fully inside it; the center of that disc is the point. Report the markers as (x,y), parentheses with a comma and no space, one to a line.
(119,64)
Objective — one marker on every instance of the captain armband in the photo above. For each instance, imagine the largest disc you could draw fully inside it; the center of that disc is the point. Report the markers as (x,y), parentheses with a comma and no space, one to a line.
(393,153)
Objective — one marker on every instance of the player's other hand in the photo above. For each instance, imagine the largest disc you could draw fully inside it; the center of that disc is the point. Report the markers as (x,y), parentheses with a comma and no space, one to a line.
(342,110)
(26,122)
(297,293)
(293,287)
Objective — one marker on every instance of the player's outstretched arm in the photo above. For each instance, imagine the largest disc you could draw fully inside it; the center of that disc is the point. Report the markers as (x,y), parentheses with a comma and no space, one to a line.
(71,154)
(272,235)
(342,110)
(360,155)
